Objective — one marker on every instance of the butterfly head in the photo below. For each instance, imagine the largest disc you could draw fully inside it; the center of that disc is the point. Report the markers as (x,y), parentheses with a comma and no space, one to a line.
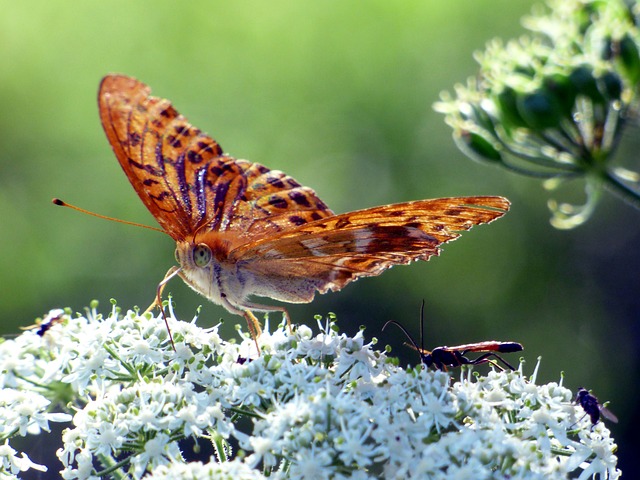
(205,264)
(197,267)
(202,250)
(193,256)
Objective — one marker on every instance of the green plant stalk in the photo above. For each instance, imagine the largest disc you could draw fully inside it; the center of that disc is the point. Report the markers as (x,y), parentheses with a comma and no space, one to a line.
(614,185)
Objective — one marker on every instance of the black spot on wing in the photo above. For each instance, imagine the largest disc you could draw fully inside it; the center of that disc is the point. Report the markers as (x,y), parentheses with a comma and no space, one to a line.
(276,201)
(151,169)
(343,222)
(276,182)
(174,141)
(453,212)
(296,220)
(261,168)
(194,157)
(182,130)
(134,139)
(209,147)
(299,198)
(169,112)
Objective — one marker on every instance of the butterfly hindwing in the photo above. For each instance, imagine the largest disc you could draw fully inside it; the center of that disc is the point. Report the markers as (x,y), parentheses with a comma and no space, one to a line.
(329,253)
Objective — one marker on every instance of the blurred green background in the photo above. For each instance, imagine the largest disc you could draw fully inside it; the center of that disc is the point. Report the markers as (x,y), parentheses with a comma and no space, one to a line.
(339,95)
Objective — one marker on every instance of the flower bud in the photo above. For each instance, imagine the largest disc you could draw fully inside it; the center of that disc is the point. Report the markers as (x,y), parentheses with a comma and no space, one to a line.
(508,110)
(539,109)
(629,59)
(476,147)
(560,86)
(608,50)
(585,84)
(610,86)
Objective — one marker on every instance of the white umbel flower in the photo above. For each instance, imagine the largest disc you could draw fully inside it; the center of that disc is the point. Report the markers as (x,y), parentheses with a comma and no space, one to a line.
(320,405)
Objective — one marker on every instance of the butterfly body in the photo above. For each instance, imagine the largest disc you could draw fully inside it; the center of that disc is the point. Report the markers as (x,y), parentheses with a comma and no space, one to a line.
(243,230)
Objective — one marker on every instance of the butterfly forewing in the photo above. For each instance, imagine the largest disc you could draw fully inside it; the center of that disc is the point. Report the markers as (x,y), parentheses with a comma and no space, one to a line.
(183,177)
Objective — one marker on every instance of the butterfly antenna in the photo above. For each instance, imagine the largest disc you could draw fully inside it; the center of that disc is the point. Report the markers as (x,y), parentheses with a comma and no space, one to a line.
(61,203)
(198,228)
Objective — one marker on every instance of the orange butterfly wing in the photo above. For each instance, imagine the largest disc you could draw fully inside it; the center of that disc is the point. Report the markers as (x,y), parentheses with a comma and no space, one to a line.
(267,234)
(183,177)
(328,254)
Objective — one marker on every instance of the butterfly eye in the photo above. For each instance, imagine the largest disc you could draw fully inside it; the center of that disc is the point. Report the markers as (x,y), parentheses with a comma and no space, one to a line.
(176,255)
(202,255)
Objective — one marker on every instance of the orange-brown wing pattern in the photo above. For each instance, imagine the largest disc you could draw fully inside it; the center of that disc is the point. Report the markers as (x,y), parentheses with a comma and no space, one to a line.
(328,254)
(271,202)
(183,177)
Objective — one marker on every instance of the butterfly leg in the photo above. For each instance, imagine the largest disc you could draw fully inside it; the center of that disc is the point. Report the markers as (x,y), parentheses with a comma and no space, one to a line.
(157,302)
(249,306)
(254,324)
(254,327)
(172,272)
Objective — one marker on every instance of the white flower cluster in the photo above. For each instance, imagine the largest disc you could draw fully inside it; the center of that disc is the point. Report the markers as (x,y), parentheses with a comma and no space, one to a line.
(23,402)
(309,406)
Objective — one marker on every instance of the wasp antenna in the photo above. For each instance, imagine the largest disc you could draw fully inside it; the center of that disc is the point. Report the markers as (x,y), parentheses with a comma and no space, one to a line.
(404,330)
(62,203)
(422,326)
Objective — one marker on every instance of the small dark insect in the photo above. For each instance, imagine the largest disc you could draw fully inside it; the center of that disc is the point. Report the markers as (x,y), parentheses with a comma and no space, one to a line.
(48,323)
(54,316)
(442,357)
(241,360)
(592,407)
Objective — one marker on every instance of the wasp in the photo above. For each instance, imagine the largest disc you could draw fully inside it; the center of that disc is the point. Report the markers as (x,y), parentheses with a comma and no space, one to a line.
(442,357)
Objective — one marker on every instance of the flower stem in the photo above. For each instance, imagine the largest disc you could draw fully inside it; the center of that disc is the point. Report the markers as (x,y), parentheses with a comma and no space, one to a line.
(613,184)
(113,467)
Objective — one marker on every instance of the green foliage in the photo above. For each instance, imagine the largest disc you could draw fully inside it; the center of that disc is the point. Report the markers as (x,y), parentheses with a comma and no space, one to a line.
(554,104)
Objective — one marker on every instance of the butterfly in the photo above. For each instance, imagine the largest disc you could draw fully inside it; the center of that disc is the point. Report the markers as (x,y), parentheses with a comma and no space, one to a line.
(243,230)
